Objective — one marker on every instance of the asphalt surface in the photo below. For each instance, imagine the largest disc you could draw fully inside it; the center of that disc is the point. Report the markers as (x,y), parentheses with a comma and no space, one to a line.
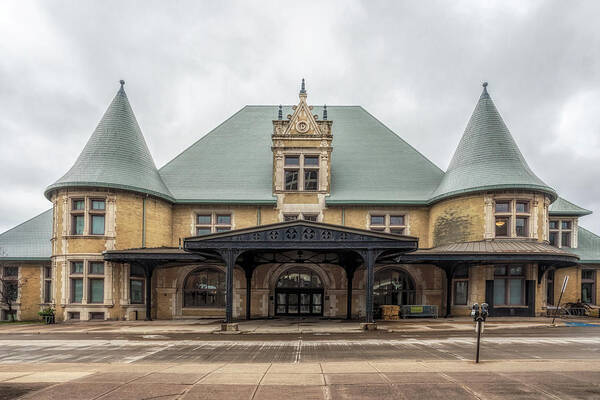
(575,343)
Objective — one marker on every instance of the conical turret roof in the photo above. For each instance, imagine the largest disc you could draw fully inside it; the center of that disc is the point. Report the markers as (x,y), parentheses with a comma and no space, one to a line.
(487,158)
(116,156)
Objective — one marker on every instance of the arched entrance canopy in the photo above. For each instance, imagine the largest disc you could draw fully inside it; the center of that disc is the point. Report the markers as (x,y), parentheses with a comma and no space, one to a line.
(275,243)
(348,247)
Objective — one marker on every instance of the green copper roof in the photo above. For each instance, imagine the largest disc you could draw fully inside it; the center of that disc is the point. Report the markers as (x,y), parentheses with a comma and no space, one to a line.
(28,241)
(234,162)
(588,247)
(487,158)
(564,207)
(116,156)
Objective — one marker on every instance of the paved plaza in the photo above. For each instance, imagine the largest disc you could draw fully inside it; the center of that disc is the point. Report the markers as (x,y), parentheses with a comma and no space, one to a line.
(82,361)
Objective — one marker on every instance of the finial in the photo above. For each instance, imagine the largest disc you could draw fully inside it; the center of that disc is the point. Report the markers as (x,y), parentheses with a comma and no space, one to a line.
(484,84)
(303,87)
(325,112)
(122,82)
(280,113)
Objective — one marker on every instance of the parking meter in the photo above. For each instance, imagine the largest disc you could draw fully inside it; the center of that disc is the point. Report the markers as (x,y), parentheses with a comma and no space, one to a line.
(484,311)
(479,314)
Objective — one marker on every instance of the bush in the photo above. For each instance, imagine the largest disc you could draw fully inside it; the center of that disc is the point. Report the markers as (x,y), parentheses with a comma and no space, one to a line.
(46,312)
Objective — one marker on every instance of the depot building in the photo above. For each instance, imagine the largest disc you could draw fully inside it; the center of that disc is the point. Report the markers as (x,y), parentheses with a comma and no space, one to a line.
(293,211)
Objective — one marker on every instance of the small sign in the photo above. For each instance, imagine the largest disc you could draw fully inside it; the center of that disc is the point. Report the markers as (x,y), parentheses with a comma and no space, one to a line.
(564,286)
(416,309)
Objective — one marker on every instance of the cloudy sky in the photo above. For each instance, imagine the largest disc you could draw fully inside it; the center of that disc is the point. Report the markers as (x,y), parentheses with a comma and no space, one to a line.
(417,66)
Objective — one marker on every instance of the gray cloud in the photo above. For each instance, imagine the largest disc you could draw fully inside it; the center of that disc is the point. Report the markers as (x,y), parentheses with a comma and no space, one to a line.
(417,66)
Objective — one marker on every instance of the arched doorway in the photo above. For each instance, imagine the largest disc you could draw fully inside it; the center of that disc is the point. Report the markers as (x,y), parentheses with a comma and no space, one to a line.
(204,288)
(393,287)
(299,291)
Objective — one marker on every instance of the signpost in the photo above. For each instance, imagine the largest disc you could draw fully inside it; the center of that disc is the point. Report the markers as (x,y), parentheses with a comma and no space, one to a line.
(562,290)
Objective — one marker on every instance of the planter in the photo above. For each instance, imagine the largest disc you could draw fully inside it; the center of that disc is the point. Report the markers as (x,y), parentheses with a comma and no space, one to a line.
(48,319)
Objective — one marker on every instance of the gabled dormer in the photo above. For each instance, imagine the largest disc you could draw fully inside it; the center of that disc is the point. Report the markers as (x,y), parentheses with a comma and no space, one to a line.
(301,145)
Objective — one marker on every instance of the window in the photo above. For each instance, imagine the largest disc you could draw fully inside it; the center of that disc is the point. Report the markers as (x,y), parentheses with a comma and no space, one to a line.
(87,281)
(301,172)
(461,286)
(509,285)
(393,287)
(588,286)
(212,222)
(511,218)
(47,284)
(388,223)
(137,280)
(95,212)
(10,282)
(77,217)
(204,288)
(560,232)
(304,216)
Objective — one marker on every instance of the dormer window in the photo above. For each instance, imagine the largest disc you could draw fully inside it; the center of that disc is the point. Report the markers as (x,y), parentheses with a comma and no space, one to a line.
(301,172)
(561,232)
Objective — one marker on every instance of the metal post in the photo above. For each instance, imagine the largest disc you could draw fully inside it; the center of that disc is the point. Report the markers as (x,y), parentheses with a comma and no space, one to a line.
(370,264)
(248,291)
(229,256)
(478,340)
(148,272)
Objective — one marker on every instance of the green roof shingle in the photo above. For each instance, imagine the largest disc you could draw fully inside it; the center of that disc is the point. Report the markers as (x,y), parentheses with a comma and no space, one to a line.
(234,162)
(588,247)
(29,240)
(116,156)
(487,158)
(564,207)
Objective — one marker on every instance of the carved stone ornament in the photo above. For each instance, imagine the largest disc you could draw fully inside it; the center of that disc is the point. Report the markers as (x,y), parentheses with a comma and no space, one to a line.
(302,126)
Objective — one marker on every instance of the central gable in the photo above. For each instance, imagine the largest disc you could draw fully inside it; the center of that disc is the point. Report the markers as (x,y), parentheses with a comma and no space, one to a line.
(301,235)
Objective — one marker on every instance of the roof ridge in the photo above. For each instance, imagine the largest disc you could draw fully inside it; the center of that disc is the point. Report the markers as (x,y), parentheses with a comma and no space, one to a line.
(24,222)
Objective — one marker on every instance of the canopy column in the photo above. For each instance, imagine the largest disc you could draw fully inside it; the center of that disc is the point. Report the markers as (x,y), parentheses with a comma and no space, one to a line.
(229,257)
(148,273)
(369,257)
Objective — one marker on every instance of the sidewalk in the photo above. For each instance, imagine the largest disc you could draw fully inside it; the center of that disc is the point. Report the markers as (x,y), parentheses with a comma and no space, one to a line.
(406,379)
(285,326)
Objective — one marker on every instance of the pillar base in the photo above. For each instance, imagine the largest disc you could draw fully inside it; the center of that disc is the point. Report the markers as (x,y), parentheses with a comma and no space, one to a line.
(230,327)
(368,326)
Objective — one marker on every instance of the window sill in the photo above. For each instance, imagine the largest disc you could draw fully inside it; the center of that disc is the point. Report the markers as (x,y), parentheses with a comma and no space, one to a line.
(511,306)
(87,237)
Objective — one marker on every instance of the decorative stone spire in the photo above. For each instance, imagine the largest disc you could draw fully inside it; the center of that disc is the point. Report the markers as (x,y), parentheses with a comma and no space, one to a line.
(280,113)
(303,88)
(325,112)
(116,156)
(122,82)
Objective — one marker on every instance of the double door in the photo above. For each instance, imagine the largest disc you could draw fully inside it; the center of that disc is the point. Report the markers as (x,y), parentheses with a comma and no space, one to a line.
(299,302)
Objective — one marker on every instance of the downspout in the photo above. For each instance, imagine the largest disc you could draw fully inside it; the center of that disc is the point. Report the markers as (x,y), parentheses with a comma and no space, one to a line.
(343,216)
(258,216)
(144,222)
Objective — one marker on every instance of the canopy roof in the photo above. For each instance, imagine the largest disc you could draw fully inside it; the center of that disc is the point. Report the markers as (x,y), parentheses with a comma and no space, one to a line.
(116,156)
(564,207)
(29,241)
(487,158)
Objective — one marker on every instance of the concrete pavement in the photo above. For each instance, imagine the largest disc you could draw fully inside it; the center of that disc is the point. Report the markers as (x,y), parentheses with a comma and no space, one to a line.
(407,379)
(283,326)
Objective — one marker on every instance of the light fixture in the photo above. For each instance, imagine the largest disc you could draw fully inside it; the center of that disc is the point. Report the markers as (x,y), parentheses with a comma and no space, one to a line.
(500,223)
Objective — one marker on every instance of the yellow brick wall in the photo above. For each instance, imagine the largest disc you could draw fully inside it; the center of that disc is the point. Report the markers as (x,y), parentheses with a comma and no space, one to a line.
(456,220)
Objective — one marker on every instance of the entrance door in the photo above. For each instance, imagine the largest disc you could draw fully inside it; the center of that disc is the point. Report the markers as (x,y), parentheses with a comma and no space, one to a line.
(299,292)
(299,302)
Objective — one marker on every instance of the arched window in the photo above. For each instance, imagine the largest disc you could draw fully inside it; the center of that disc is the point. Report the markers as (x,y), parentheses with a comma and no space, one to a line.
(204,288)
(299,278)
(393,287)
